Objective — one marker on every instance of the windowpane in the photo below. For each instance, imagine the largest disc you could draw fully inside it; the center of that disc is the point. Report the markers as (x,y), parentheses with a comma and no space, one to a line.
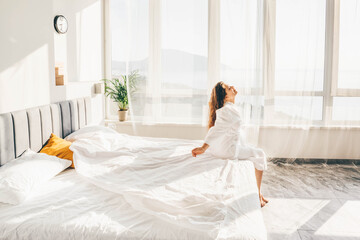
(251,108)
(298,108)
(130,46)
(349,47)
(184,58)
(300,44)
(241,29)
(129,34)
(178,109)
(346,108)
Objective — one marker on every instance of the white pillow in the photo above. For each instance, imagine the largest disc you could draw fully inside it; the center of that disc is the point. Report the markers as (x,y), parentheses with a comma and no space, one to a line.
(20,176)
(85,131)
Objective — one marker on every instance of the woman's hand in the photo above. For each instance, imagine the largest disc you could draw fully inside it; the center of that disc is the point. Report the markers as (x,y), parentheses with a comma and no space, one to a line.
(199,150)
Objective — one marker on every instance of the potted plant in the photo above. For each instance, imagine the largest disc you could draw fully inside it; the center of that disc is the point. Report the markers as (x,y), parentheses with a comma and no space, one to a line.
(117,90)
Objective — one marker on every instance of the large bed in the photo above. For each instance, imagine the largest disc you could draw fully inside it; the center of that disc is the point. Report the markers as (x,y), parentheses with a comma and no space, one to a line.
(125,187)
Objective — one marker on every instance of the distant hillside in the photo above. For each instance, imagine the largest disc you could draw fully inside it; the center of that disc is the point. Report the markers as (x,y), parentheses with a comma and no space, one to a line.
(173,60)
(179,69)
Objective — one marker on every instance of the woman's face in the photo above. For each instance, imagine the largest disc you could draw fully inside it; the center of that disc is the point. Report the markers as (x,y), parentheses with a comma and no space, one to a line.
(230,91)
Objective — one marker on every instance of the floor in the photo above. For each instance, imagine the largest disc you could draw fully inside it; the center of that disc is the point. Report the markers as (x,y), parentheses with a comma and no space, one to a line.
(312,201)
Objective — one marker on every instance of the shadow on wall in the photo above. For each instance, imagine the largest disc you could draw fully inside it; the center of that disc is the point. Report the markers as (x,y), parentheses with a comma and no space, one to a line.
(81,47)
(24,45)
(27,76)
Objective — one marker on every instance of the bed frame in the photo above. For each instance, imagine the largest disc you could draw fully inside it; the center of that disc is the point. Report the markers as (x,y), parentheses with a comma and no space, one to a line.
(31,128)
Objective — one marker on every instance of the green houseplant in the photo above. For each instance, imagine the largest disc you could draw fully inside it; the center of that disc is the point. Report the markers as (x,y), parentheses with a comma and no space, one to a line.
(117,90)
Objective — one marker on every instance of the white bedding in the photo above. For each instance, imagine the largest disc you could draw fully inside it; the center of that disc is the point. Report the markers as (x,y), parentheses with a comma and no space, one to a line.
(68,207)
(161,178)
(152,194)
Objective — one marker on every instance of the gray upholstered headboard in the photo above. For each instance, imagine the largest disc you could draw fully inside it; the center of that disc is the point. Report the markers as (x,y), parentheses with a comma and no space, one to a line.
(31,128)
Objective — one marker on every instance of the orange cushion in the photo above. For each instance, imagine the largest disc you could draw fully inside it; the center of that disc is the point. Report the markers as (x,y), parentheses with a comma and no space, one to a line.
(58,147)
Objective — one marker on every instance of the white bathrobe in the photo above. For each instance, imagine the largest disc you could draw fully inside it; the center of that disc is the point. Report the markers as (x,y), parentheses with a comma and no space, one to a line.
(226,138)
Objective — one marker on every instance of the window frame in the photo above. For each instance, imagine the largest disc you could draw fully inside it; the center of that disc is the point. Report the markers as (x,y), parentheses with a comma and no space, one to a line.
(331,61)
(331,64)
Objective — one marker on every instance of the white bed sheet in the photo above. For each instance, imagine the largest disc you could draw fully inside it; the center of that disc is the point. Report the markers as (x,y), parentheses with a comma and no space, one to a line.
(68,207)
(158,176)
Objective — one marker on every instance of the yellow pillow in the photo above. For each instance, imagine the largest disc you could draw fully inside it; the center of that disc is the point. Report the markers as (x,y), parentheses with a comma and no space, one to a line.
(58,147)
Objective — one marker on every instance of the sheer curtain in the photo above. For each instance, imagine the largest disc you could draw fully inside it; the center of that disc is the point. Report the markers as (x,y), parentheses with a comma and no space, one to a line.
(294,62)
(299,61)
(129,22)
(315,82)
(347,106)
(184,57)
(296,85)
(168,42)
(241,58)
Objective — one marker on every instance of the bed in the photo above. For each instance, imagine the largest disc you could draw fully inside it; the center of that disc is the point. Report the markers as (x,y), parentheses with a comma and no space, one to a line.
(125,187)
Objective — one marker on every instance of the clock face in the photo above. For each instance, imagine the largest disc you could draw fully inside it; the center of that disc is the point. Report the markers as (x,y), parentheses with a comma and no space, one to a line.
(60,24)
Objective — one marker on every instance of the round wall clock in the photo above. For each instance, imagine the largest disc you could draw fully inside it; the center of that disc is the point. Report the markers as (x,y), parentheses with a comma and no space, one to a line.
(60,24)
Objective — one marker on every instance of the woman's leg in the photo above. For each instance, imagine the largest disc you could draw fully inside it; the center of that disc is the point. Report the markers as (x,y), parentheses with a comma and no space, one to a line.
(258,175)
(258,157)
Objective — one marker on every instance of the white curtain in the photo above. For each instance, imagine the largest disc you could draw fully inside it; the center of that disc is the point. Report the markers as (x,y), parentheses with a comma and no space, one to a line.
(278,55)
(347,107)
(167,42)
(129,23)
(299,61)
(241,58)
(170,43)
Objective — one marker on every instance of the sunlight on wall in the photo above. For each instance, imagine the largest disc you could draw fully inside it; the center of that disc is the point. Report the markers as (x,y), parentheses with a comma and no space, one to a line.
(26,83)
(89,43)
(60,52)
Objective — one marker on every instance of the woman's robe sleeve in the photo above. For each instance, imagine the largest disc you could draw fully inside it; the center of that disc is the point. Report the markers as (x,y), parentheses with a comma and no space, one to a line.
(212,135)
(217,132)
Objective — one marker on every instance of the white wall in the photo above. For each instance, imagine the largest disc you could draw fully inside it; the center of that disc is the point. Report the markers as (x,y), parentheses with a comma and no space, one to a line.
(82,45)
(27,53)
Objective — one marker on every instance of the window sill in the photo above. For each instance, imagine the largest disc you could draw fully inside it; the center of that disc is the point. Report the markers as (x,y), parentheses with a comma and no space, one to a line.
(270,126)
(130,122)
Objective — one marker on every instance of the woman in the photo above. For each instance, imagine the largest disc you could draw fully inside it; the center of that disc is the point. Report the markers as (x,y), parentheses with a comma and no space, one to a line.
(224,138)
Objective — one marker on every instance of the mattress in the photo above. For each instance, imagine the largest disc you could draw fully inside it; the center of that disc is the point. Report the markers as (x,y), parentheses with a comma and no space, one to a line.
(70,206)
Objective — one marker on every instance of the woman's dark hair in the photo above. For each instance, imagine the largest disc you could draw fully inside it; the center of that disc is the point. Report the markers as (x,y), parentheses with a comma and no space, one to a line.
(217,98)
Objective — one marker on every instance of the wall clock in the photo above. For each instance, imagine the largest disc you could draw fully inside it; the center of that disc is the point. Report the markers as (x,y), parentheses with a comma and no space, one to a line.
(60,24)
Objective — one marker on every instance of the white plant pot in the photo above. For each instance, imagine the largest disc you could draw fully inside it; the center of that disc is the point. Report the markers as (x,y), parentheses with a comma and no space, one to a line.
(123,115)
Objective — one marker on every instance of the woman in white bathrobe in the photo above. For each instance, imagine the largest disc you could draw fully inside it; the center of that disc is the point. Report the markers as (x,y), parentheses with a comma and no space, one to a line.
(225,138)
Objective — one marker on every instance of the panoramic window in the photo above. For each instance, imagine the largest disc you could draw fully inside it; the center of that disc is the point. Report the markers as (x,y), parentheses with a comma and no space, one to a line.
(130,47)
(299,59)
(180,49)
(241,41)
(184,59)
(347,103)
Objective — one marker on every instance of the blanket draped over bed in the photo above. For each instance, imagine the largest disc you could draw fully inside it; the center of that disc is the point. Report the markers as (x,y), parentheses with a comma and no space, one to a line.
(161,178)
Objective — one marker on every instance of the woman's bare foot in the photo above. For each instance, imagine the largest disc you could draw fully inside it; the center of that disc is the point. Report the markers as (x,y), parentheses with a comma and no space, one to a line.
(263,200)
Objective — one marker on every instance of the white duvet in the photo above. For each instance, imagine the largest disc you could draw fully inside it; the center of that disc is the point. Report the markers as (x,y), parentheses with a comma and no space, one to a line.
(215,197)
(67,207)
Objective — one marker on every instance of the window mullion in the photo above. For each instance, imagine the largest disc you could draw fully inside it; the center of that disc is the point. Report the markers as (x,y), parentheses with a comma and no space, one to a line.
(153,89)
(107,52)
(213,43)
(331,58)
(269,59)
